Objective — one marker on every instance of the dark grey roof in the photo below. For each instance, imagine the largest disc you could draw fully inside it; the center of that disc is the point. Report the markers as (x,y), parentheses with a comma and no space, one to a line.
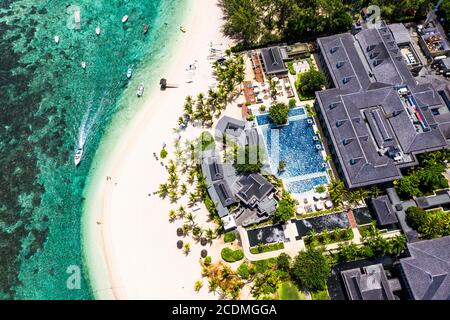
(383,210)
(253,188)
(273,60)
(400,33)
(215,169)
(371,284)
(433,201)
(230,126)
(364,113)
(427,271)
(224,193)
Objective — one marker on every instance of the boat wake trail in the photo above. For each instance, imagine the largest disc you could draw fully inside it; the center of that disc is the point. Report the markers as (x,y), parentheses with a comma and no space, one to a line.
(90,119)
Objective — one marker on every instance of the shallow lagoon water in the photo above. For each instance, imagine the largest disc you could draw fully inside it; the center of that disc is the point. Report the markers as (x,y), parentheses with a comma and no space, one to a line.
(49,105)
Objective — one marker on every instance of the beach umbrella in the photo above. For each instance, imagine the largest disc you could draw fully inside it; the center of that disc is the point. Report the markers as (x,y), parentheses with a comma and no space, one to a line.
(319,206)
(300,210)
(179,244)
(203,241)
(328,204)
(179,232)
(203,253)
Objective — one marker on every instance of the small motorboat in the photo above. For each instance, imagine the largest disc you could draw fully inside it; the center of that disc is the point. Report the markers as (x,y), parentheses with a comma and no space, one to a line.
(129,73)
(56,39)
(124,18)
(145,28)
(98,31)
(140,90)
(83,64)
(78,155)
(183,29)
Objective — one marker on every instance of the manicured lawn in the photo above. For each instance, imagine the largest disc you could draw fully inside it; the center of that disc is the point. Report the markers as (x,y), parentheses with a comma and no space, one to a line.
(320,295)
(288,291)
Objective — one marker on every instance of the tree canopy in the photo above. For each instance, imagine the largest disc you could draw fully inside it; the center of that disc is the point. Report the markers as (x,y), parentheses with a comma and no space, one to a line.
(309,82)
(278,113)
(311,270)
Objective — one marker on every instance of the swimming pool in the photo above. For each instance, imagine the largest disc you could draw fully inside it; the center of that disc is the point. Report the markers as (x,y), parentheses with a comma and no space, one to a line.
(295,145)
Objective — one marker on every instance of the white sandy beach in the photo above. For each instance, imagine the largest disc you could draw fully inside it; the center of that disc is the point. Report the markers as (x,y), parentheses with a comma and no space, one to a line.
(130,245)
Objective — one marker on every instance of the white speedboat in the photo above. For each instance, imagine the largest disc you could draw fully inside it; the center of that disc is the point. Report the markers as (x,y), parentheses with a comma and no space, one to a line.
(140,90)
(56,39)
(77,157)
(83,64)
(98,31)
(124,18)
(129,73)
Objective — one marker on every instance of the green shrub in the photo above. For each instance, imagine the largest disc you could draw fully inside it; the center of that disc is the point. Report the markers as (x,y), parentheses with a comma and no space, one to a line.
(207,260)
(251,164)
(267,247)
(262,108)
(230,236)
(291,68)
(430,224)
(285,208)
(321,188)
(244,271)
(163,154)
(230,255)
(320,295)
(283,262)
(292,103)
(278,113)
(250,117)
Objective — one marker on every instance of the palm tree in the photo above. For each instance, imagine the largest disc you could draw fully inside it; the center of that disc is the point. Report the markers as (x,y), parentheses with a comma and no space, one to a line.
(187,248)
(210,235)
(375,192)
(183,188)
(173,180)
(192,199)
(213,284)
(398,244)
(172,215)
(191,176)
(337,192)
(163,190)
(353,198)
(186,228)
(188,110)
(190,218)
(197,232)
(198,285)
(173,196)
(181,212)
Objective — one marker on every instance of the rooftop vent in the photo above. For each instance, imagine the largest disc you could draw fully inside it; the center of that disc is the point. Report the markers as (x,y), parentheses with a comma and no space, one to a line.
(391,43)
(333,105)
(354,160)
(370,47)
(340,122)
(346,80)
(340,64)
(364,138)
(394,51)
(346,141)
(397,112)
(374,54)
(357,119)
(333,49)
(377,62)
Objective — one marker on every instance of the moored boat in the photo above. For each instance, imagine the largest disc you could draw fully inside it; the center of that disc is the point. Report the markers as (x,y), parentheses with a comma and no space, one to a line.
(98,31)
(145,28)
(140,90)
(129,72)
(78,155)
(183,29)
(124,18)
(56,39)
(83,64)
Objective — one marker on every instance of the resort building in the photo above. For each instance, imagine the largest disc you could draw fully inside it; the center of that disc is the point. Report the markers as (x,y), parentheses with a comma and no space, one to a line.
(427,271)
(376,117)
(384,211)
(273,61)
(369,283)
(433,43)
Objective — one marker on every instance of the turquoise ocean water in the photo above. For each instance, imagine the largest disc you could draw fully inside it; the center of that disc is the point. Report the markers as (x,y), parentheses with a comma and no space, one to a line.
(49,105)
